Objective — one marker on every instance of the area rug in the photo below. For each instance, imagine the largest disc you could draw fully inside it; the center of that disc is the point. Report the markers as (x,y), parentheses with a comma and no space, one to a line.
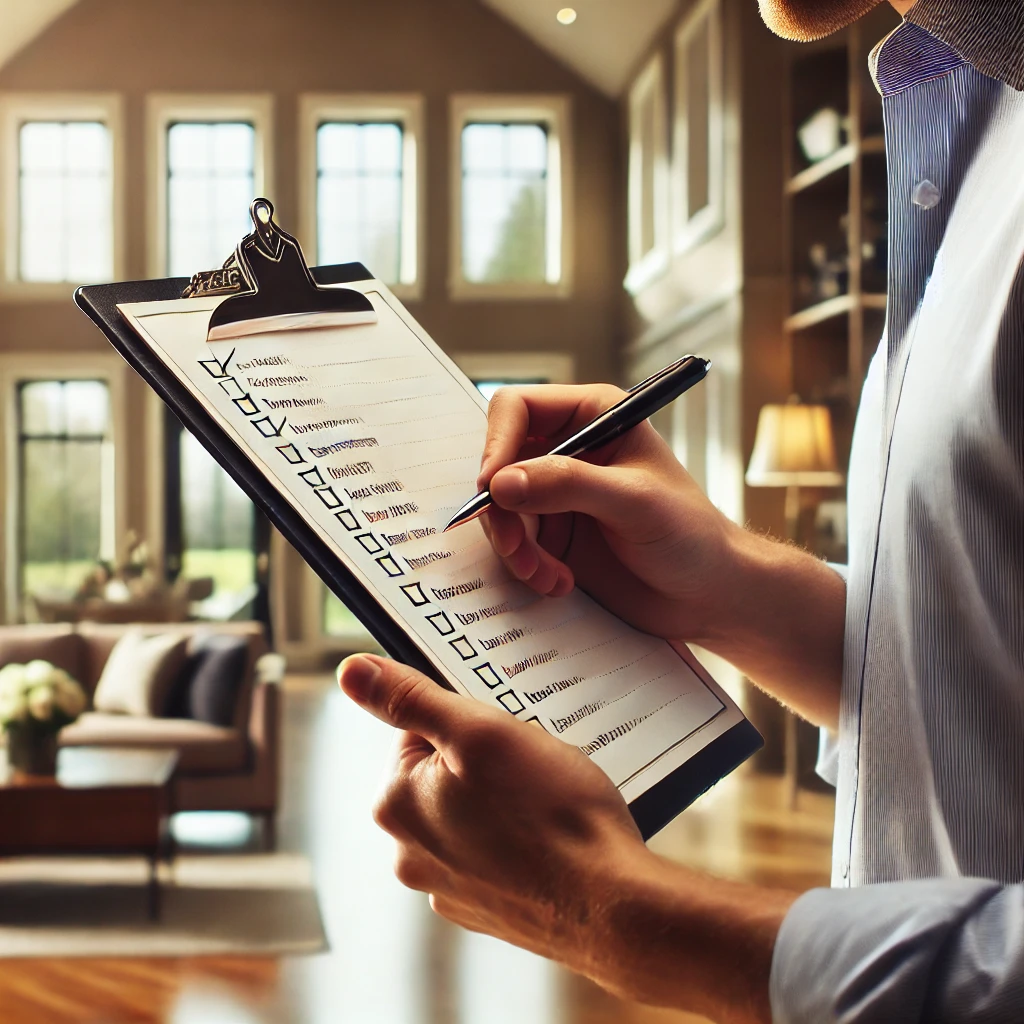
(213,905)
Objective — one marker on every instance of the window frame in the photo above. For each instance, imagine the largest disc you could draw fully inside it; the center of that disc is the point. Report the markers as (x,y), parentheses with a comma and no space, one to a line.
(165,109)
(555,113)
(17,369)
(690,230)
(406,109)
(15,110)
(646,267)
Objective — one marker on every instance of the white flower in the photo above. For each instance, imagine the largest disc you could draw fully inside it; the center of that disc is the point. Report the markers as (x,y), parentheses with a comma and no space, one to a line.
(12,679)
(40,703)
(13,708)
(38,672)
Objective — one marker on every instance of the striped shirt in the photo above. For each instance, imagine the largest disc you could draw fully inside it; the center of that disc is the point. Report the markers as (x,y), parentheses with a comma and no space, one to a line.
(925,920)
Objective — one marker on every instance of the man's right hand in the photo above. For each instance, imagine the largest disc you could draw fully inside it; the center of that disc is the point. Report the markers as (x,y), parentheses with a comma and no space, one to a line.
(633,529)
(630,525)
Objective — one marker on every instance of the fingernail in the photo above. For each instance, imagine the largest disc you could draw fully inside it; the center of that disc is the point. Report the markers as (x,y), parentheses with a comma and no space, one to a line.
(514,486)
(359,675)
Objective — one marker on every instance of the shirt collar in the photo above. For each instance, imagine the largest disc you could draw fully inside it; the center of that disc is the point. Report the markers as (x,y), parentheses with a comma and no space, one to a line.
(989,34)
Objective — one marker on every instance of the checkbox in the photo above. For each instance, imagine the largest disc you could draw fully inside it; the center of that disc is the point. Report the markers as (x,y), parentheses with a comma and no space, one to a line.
(246,406)
(291,453)
(328,496)
(462,647)
(489,675)
(510,702)
(370,543)
(347,518)
(232,388)
(215,368)
(533,721)
(266,426)
(441,623)
(414,591)
(390,566)
(313,477)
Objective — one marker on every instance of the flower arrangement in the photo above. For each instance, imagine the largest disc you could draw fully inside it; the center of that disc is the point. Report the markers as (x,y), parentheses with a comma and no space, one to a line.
(36,701)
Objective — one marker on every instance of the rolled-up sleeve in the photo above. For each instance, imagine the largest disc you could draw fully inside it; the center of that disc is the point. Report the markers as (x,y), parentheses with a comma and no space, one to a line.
(934,951)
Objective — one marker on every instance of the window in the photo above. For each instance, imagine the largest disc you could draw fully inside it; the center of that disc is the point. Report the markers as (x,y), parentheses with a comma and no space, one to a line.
(209,157)
(510,212)
(361,174)
(648,178)
(61,222)
(699,135)
(66,482)
(210,184)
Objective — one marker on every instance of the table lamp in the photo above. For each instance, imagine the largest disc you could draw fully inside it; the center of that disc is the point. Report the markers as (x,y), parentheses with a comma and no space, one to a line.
(793,448)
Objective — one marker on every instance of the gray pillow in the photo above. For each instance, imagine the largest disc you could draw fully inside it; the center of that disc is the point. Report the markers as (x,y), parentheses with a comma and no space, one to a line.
(217,681)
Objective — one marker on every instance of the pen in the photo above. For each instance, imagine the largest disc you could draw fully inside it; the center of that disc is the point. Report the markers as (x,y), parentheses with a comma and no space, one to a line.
(642,401)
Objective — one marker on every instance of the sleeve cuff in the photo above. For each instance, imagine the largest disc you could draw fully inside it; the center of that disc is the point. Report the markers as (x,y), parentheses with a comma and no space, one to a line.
(827,767)
(865,955)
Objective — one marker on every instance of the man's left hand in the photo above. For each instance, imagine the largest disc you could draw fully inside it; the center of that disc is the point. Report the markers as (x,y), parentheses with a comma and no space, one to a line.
(512,831)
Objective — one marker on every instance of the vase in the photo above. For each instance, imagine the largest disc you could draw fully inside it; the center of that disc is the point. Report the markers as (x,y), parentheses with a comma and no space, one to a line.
(32,752)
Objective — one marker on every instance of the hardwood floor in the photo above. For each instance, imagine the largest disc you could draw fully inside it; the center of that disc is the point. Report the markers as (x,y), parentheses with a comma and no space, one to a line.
(391,960)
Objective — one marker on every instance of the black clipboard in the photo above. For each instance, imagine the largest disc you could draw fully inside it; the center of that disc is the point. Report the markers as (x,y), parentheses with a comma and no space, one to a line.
(653,809)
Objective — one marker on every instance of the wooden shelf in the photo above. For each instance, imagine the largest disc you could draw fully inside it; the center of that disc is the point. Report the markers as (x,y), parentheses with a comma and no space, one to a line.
(873,144)
(832,308)
(823,169)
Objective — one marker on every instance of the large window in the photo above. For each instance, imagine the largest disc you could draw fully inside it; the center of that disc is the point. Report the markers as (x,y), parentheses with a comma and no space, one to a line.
(209,157)
(360,184)
(359,196)
(648,178)
(210,184)
(504,202)
(59,161)
(510,215)
(66,483)
(65,219)
(218,523)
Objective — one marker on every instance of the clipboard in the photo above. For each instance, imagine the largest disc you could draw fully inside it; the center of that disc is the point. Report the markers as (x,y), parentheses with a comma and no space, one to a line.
(295,292)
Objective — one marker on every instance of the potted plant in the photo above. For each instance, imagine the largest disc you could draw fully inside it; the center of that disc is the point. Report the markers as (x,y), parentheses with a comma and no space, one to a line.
(36,701)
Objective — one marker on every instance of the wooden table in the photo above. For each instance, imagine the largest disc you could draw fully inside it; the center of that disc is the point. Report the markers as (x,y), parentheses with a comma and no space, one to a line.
(102,801)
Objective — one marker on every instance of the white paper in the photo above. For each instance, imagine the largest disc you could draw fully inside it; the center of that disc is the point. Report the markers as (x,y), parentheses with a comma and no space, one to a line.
(375,437)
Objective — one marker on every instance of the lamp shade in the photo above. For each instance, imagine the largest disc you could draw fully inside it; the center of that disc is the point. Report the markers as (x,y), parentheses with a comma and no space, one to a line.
(794,448)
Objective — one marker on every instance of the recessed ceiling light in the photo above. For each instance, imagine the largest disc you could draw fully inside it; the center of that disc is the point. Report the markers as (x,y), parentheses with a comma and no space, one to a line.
(566,16)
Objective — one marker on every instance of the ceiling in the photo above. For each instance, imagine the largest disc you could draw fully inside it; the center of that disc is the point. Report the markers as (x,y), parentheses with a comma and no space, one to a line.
(23,20)
(603,45)
(605,42)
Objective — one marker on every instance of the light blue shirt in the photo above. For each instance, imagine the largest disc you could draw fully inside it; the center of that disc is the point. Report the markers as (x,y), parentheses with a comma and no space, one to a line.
(925,920)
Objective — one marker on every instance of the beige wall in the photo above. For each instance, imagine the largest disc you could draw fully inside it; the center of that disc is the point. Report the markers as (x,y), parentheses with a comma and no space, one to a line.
(287,47)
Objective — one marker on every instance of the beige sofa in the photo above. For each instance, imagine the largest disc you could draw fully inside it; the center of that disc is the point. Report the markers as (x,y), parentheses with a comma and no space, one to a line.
(223,769)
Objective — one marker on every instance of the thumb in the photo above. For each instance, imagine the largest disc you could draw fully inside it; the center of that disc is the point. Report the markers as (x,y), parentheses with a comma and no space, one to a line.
(403,697)
(555,483)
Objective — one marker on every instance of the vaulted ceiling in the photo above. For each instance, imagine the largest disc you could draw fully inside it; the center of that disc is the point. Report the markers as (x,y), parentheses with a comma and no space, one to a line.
(22,20)
(603,45)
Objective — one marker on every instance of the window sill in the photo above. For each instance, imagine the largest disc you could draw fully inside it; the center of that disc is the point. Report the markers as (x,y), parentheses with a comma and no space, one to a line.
(466,291)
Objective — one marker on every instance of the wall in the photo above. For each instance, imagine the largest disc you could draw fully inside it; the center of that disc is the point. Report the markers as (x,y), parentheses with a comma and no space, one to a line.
(435,48)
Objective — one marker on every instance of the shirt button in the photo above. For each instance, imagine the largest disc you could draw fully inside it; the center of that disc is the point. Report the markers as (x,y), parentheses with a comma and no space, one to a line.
(926,195)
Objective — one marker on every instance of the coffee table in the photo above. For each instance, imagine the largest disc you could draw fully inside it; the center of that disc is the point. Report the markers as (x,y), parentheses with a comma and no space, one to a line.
(102,801)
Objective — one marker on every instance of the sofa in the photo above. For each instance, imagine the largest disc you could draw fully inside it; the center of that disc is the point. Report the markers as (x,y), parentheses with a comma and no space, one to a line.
(220,768)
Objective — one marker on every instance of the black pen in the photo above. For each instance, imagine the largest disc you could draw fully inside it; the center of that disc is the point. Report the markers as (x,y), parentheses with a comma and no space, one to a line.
(643,400)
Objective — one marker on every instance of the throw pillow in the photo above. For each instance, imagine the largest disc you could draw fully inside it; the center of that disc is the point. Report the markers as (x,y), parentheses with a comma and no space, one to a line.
(139,672)
(218,678)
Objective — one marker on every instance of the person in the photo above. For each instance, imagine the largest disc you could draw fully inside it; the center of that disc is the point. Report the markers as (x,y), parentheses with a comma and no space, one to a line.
(912,660)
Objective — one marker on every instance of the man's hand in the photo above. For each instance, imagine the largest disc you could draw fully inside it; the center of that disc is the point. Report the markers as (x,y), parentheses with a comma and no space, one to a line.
(510,830)
(517,834)
(633,529)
